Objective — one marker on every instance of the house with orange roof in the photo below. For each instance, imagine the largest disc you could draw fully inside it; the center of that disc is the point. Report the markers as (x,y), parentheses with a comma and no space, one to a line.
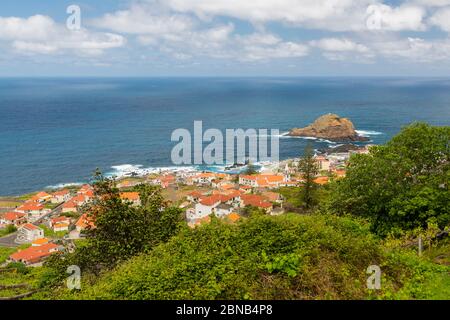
(84,222)
(61,223)
(61,226)
(69,206)
(29,232)
(131,197)
(60,196)
(34,255)
(194,196)
(40,242)
(205,206)
(32,209)
(245,189)
(86,188)
(225,185)
(164,180)
(204,178)
(255,200)
(13,218)
(41,197)
(262,180)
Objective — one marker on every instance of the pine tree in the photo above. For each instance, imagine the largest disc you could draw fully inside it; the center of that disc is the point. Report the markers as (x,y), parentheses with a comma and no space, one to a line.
(309,169)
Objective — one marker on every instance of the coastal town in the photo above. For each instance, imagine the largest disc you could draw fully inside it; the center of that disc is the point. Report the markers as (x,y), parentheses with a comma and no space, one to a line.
(51,221)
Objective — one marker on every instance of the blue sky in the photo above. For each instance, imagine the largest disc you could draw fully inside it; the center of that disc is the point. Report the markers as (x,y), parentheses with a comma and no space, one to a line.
(226,38)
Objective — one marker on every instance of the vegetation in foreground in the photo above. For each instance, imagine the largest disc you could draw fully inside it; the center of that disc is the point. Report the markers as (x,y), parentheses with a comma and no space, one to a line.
(372,217)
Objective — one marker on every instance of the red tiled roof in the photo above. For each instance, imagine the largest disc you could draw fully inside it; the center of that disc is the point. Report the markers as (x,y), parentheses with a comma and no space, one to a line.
(30,206)
(30,226)
(12,216)
(60,219)
(61,193)
(34,254)
(211,200)
(132,196)
(255,201)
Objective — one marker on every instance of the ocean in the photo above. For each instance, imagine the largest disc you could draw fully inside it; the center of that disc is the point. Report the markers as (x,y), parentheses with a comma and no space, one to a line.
(55,131)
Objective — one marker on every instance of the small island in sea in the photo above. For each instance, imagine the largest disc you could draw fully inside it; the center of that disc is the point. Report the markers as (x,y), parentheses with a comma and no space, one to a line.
(331,127)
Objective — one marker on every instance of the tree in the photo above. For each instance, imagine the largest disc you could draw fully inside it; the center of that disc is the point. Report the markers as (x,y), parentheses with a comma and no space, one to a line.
(400,186)
(309,169)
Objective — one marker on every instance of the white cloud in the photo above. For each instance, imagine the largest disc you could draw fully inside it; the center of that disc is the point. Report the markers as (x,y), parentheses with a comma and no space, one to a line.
(184,38)
(289,11)
(144,19)
(441,19)
(415,49)
(387,18)
(339,45)
(432,3)
(42,35)
(334,15)
(340,49)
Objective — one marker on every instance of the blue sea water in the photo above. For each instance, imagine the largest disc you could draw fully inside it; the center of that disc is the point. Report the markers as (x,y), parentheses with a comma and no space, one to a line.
(59,130)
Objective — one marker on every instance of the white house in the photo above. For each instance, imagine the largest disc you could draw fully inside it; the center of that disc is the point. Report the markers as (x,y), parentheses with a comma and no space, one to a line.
(205,206)
(33,209)
(14,218)
(60,196)
(223,210)
(323,163)
(29,233)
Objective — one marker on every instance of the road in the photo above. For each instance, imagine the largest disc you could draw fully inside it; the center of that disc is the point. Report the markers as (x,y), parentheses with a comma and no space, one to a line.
(9,241)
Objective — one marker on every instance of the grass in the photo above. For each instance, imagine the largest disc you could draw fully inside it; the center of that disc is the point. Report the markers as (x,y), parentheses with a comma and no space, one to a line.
(8,230)
(27,196)
(5,253)
(9,204)
(49,233)
(51,205)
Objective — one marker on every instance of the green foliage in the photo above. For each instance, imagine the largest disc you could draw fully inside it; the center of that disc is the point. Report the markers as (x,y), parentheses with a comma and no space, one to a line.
(18,267)
(5,253)
(48,232)
(284,257)
(309,169)
(251,211)
(402,185)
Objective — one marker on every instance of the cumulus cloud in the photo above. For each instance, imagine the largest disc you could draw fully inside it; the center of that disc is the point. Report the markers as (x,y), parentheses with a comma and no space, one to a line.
(415,49)
(339,49)
(441,19)
(387,18)
(40,34)
(333,15)
(432,3)
(339,45)
(182,37)
(144,19)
